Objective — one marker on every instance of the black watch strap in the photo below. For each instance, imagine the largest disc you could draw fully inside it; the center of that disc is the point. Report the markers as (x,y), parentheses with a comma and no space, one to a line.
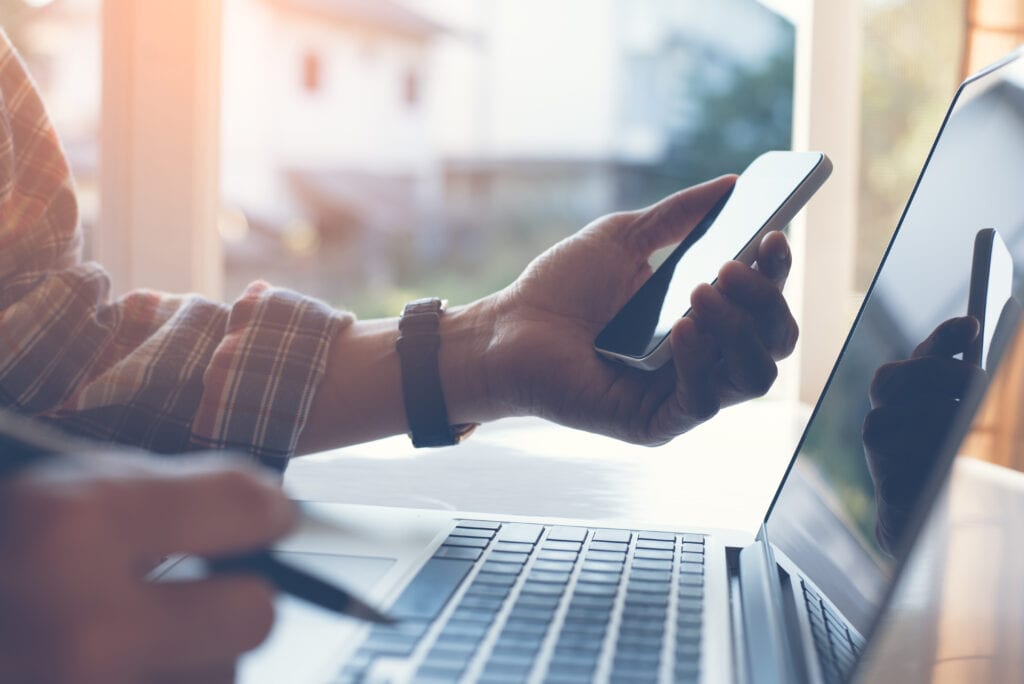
(418,345)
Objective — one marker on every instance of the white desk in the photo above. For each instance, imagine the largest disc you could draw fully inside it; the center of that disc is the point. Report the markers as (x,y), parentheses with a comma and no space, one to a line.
(958,617)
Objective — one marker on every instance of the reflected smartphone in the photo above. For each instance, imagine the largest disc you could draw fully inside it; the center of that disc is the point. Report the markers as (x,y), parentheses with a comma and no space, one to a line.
(766,197)
(991,292)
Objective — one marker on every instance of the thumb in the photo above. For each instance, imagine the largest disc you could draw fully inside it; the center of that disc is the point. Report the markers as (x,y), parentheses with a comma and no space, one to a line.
(672,219)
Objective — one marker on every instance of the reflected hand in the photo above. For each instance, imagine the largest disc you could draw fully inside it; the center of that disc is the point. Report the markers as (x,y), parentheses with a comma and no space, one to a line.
(77,537)
(544,362)
(913,405)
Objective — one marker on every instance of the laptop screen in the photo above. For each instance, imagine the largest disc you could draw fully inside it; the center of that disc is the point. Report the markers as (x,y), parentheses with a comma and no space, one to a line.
(882,430)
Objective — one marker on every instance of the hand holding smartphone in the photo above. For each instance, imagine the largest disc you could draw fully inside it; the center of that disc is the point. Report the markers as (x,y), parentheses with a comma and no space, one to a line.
(991,294)
(766,197)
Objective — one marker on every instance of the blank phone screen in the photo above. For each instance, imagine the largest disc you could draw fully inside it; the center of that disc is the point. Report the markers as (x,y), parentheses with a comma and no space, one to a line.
(724,234)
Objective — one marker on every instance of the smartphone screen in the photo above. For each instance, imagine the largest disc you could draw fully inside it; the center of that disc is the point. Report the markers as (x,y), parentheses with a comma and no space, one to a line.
(762,196)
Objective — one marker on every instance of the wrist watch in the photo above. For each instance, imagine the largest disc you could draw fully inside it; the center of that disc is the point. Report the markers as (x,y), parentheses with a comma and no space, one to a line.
(418,345)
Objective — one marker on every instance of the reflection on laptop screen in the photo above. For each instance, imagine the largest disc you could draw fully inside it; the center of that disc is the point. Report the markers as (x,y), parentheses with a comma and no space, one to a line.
(852,489)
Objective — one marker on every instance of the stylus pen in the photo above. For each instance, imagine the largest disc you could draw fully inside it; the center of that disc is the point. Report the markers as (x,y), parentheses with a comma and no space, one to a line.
(291,580)
(23,444)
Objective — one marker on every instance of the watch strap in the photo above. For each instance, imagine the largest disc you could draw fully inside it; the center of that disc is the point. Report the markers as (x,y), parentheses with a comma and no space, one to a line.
(418,345)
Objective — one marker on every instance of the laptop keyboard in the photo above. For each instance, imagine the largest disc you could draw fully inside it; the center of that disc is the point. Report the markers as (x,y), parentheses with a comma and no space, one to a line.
(514,602)
(837,645)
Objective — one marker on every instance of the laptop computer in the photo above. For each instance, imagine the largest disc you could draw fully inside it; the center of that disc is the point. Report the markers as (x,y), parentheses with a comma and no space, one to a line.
(498,599)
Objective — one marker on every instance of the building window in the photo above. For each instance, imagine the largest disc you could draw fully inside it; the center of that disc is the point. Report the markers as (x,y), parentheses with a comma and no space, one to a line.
(312,72)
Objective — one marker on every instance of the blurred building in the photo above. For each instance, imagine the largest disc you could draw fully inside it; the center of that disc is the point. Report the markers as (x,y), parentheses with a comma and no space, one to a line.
(325,134)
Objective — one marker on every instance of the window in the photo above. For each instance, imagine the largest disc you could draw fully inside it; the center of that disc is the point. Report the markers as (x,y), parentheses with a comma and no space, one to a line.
(311,72)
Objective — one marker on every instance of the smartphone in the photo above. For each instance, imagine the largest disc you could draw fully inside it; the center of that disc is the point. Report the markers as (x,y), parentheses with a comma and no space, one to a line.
(991,293)
(766,197)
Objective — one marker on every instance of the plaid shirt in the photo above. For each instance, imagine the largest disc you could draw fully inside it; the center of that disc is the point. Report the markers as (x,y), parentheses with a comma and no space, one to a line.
(165,372)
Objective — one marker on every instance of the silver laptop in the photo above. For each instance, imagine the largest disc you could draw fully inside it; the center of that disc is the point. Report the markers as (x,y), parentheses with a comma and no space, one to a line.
(489,599)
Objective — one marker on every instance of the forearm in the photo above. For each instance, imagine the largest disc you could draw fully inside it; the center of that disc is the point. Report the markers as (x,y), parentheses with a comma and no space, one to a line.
(361,398)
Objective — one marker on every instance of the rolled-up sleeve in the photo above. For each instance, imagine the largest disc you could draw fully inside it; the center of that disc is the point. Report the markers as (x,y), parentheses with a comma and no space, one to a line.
(168,373)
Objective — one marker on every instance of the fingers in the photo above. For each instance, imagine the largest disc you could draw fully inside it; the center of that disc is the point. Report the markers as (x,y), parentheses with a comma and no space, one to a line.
(209,623)
(748,366)
(671,219)
(694,361)
(951,337)
(921,378)
(207,508)
(774,258)
(756,293)
(899,435)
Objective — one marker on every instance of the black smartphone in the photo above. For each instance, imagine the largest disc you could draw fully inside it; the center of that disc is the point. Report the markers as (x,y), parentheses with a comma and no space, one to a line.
(766,197)
(991,294)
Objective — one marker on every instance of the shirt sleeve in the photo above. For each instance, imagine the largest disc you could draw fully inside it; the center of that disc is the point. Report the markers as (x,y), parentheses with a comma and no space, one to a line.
(164,372)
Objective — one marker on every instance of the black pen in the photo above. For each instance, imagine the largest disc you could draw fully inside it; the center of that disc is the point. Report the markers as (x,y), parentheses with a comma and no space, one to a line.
(24,443)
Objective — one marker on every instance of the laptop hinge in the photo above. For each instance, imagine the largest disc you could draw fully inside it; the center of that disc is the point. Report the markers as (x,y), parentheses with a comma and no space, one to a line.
(769,658)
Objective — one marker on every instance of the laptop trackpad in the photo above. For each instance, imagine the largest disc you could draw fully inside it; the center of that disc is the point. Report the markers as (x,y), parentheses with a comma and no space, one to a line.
(305,637)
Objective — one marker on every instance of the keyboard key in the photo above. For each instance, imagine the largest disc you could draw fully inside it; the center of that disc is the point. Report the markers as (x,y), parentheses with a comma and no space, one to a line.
(655,598)
(602,566)
(501,568)
(501,579)
(557,566)
(507,557)
(656,536)
(651,575)
(520,532)
(474,542)
(543,600)
(465,628)
(691,568)
(593,589)
(649,564)
(493,602)
(654,544)
(599,577)
(693,548)
(584,601)
(646,587)
(574,534)
(607,556)
(609,546)
(693,580)
(550,577)
(390,644)
(557,555)
(694,592)
(612,535)
(561,546)
(514,547)
(526,614)
(471,532)
(655,554)
(458,552)
(543,588)
(693,538)
(691,557)
(484,589)
(430,590)
(686,605)
(480,524)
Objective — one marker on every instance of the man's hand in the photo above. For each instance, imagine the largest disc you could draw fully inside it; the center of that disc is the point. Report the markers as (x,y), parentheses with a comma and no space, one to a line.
(76,540)
(913,405)
(542,360)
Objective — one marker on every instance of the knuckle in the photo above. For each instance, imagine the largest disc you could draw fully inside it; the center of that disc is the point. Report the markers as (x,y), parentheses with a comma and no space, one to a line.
(764,379)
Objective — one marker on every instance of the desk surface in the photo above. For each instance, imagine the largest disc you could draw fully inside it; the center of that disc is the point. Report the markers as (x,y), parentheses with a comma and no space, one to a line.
(958,613)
